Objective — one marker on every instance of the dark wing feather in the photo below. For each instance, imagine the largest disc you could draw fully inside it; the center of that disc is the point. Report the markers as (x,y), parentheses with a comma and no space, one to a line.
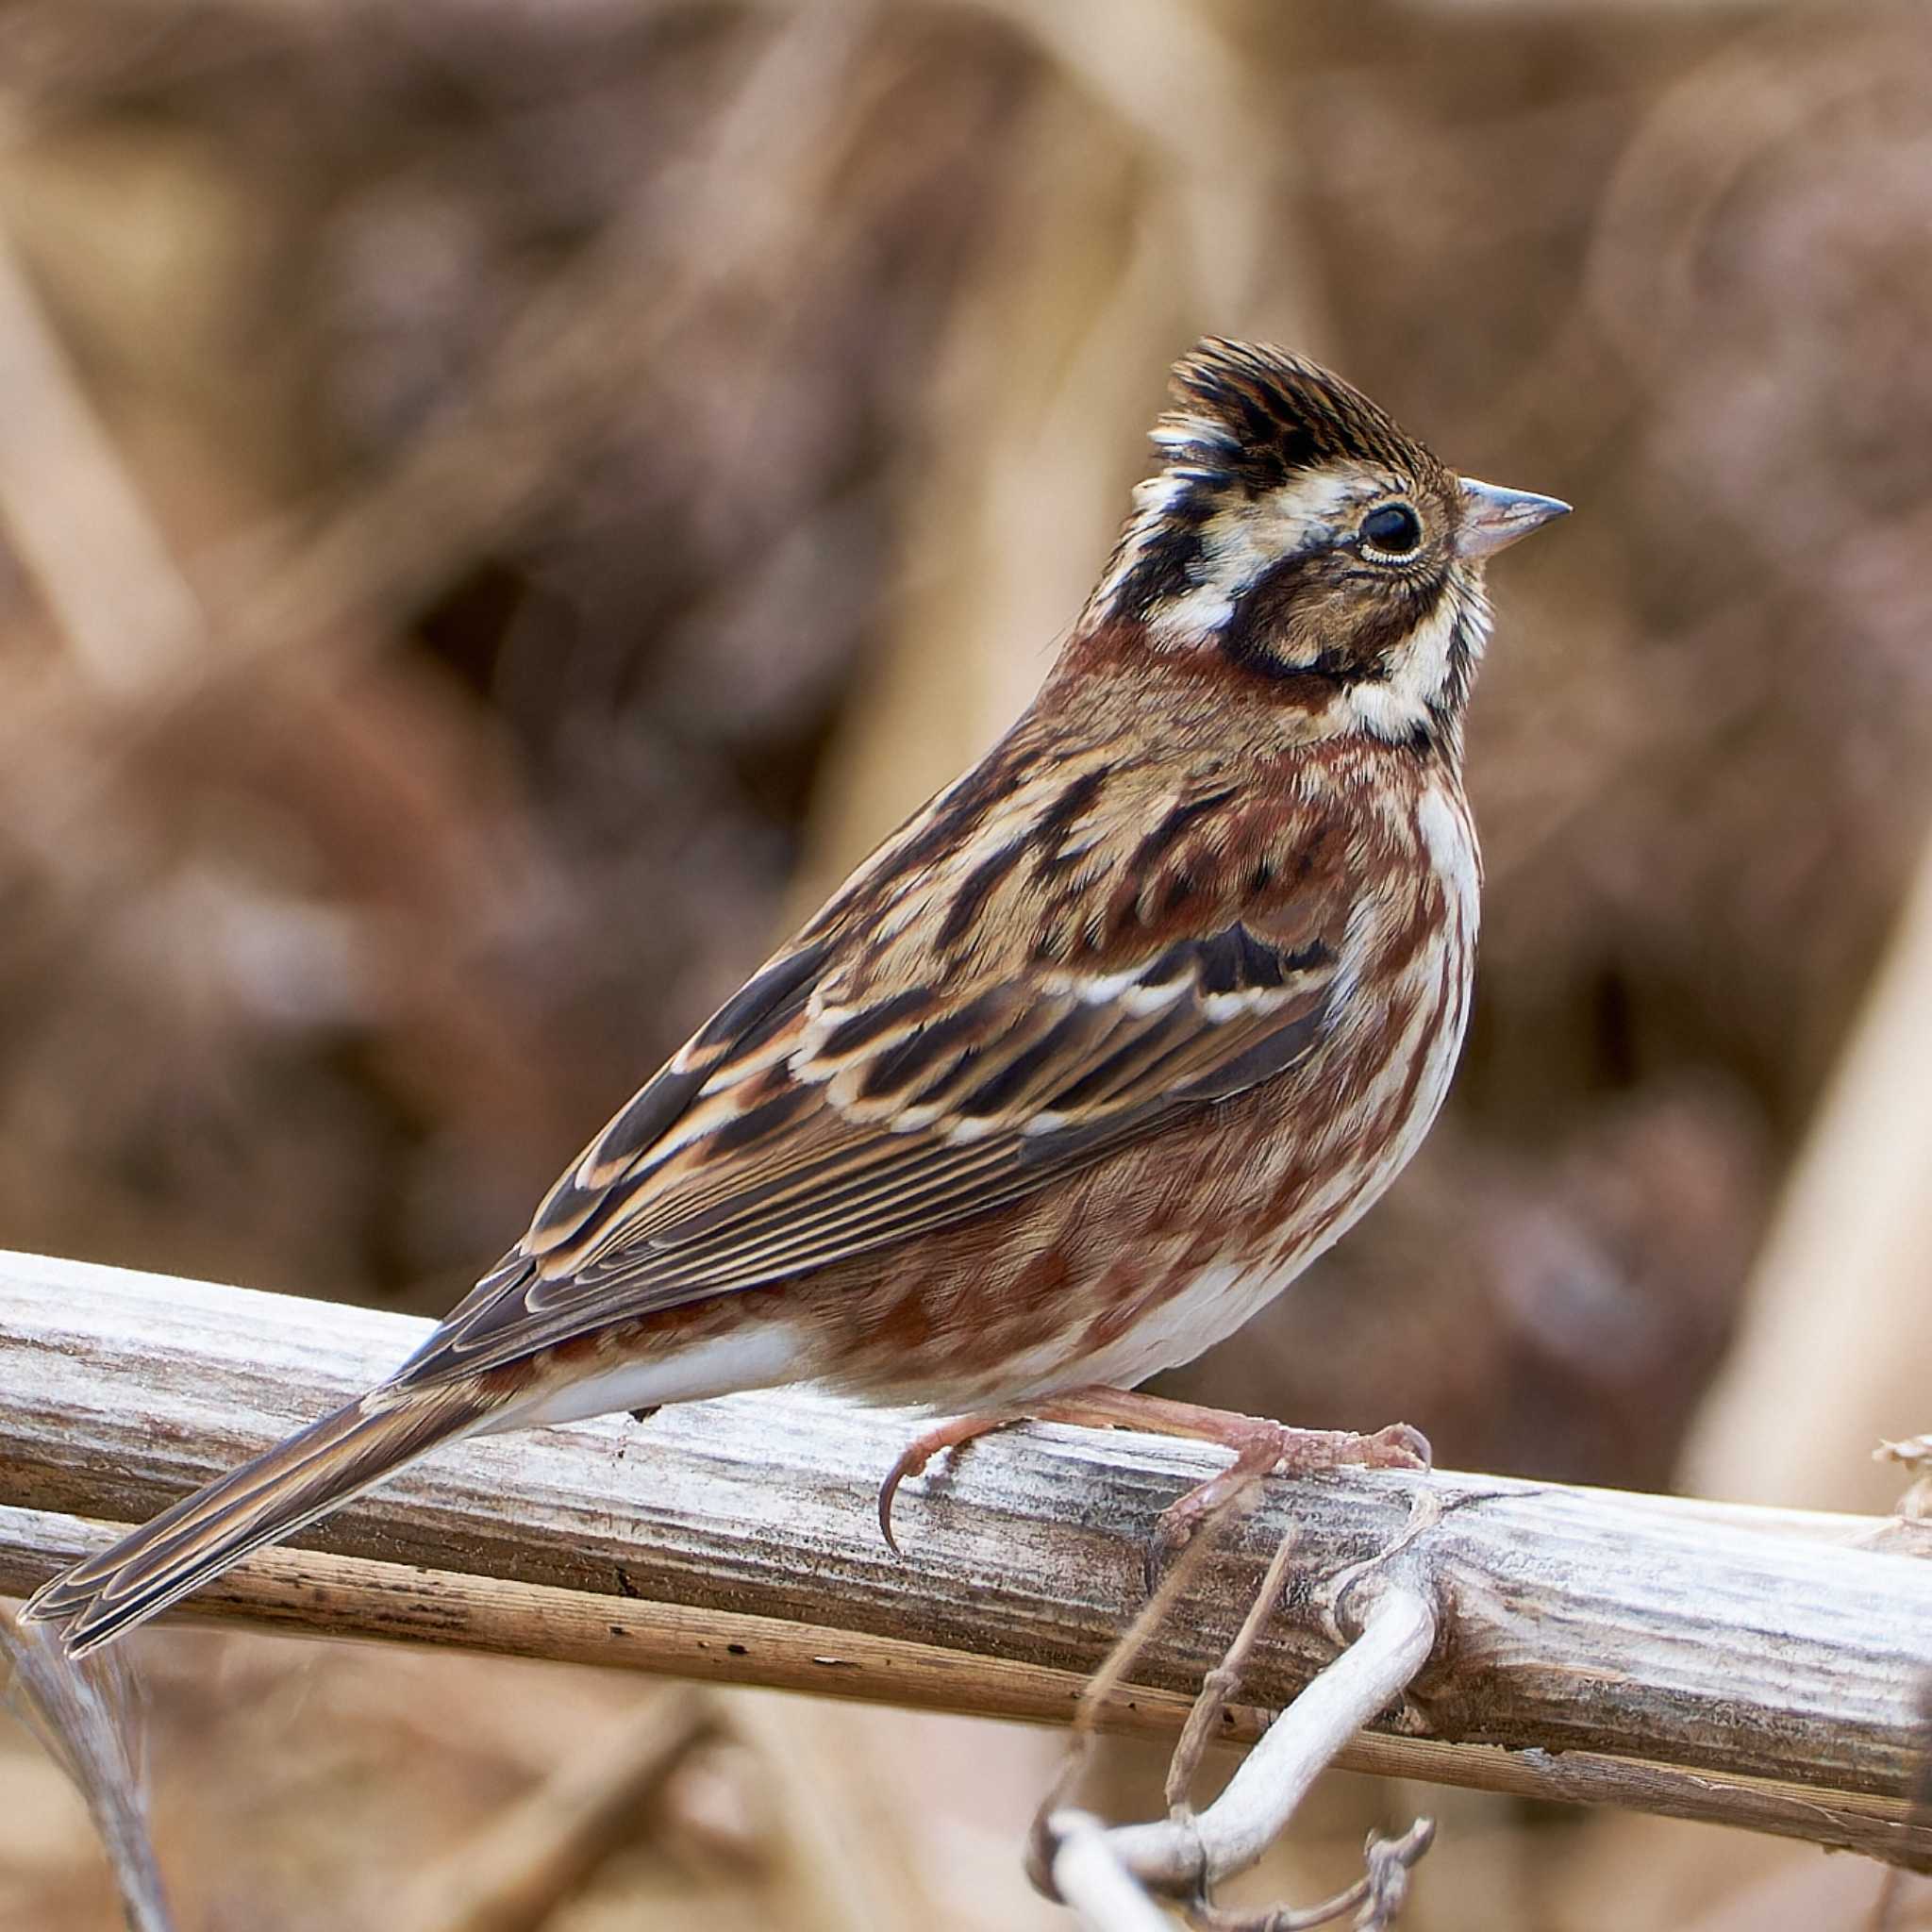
(795,1132)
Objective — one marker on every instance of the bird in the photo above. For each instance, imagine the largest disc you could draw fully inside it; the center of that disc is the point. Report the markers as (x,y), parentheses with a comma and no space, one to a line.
(1081,1067)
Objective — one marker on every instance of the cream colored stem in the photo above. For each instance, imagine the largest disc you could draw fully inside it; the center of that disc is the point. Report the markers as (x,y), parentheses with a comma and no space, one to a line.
(1177,1854)
(1701,1661)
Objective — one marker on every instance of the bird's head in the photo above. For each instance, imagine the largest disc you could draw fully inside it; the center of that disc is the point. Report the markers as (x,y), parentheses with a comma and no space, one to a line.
(1296,537)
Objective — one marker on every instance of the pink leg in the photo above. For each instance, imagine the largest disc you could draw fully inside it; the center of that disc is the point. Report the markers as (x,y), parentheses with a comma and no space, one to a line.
(1262,1448)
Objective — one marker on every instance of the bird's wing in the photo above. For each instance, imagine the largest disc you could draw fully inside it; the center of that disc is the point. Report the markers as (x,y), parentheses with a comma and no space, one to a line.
(808,1121)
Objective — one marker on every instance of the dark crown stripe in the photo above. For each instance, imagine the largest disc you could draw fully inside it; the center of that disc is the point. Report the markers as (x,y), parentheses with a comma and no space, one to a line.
(1247,419)
(1267,413)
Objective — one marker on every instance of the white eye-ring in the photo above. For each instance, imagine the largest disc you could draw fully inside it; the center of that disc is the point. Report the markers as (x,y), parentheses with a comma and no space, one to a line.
(1392,532)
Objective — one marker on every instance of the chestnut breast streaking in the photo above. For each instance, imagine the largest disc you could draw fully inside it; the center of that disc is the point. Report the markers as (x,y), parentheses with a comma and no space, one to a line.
(1081,1066)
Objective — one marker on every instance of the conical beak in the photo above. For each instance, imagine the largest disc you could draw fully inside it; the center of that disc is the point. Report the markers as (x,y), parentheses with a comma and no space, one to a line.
(1492,519)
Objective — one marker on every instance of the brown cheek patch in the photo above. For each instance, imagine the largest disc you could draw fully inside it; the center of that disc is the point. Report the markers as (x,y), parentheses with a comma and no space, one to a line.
(1308,627)
(1379,623)
(1267,614)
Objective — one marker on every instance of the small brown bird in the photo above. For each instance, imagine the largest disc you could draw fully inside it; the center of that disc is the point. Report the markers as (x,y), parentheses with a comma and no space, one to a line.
(1080,1068)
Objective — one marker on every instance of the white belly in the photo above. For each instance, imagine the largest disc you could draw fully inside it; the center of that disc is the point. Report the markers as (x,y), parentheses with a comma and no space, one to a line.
(1209,1309)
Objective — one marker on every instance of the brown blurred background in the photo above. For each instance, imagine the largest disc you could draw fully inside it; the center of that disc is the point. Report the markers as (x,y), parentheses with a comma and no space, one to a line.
(500,503)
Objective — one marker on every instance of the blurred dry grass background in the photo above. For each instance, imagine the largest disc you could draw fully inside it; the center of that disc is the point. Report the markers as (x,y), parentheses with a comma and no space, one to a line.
(501,503)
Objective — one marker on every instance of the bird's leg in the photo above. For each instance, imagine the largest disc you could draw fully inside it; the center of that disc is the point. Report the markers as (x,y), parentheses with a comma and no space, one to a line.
(922,1448)
(1262,1448)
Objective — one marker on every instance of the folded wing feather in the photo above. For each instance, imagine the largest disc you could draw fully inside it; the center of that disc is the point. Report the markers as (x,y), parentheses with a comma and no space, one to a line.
(794,1131)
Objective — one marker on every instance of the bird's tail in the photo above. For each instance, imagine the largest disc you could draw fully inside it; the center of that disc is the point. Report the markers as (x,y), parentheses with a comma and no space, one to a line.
(287,1487)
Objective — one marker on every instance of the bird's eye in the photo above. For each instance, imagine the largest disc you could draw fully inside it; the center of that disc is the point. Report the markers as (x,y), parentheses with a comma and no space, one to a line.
(1395,530)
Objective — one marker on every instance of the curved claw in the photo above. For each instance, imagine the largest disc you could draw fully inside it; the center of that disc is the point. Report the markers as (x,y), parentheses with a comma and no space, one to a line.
(1233,1492)
(1401,1445)
(912,1460)
(922,1449)
(1161,1553)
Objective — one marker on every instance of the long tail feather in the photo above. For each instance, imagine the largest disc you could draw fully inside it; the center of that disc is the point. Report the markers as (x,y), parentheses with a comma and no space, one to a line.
(315,1470)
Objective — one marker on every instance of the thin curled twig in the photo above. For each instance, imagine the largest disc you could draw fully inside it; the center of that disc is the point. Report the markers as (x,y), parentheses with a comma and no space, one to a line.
(1092,1868)
(1043,1845)
(90,1716)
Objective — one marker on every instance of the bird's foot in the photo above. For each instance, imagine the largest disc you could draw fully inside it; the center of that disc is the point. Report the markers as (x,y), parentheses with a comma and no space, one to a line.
(1265,1448)
(1262,1448)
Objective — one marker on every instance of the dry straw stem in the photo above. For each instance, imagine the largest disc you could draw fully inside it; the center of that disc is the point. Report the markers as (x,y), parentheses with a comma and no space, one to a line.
(1737,1665)
(88,1716)
(147,639)
(1815,1377)
(512,1876)
(1098,1870)
(1185,1853)
(66,501)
